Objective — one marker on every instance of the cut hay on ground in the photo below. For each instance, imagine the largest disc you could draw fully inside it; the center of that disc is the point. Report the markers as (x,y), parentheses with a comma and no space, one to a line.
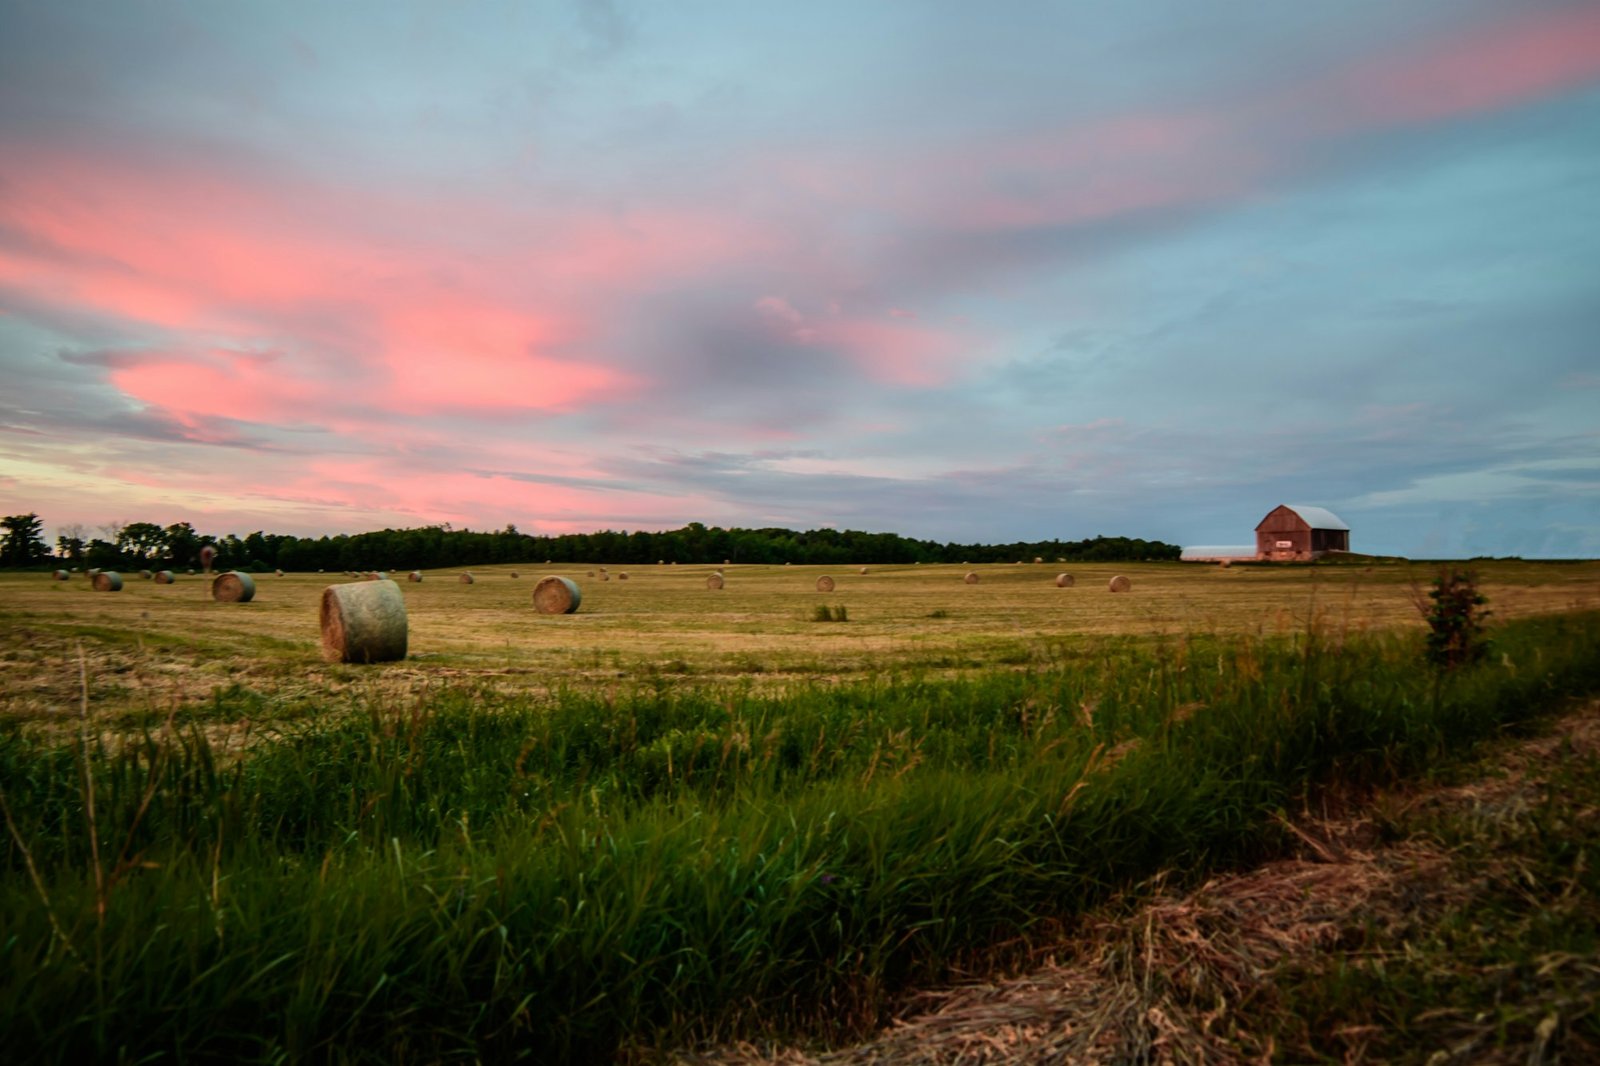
(363,623)
(556,595)
(233,587)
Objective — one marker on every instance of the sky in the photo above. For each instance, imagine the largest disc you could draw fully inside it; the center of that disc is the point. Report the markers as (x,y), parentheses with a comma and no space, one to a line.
(966,272)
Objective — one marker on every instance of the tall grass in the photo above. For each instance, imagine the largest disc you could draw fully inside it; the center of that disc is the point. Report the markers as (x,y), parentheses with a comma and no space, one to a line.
(468,874)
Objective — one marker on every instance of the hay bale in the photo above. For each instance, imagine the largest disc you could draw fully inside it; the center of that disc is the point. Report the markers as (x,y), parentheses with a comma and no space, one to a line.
(145,574)
(1037,559)
(278,573)
(93,570)
(465,579)
(377,575)
(715,581)
(165,577)
(824,584)
(208,555)
(556,595)
(363,623)
(863,571)
(971,578)
(622,576)
(1064,581)
(60,575)
(515,574)
(1119,584)
(591,573)
(107,581)
(233,587)
(415,575)
(1225,563)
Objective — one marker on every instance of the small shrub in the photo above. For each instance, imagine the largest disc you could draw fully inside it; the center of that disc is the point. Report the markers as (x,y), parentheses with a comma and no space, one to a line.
(939,613)
(1455,619)
(824,613)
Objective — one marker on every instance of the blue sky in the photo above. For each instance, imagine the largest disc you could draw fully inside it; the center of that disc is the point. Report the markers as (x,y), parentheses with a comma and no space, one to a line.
(1021,271)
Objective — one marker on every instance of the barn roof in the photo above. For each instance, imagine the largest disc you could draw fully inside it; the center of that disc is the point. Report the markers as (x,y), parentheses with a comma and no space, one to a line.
(1219,551)
(1318,517)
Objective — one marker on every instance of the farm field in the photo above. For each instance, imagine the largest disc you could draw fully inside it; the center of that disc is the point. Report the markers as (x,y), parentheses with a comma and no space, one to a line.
(682,815)
(150,646)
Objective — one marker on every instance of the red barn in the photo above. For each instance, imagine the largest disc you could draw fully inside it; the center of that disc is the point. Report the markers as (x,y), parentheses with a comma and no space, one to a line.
(1291,532)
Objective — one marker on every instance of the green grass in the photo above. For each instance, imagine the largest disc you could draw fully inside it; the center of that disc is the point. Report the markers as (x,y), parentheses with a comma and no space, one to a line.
(467,872)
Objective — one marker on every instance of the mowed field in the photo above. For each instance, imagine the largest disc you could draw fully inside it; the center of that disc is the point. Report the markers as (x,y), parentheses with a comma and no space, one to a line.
(149,647)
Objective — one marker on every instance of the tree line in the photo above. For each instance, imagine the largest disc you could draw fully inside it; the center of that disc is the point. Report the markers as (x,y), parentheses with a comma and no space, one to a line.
(145,544)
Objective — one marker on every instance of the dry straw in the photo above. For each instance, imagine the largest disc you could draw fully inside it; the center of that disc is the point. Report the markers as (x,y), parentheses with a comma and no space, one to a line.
(233,587)
(363,623)
(165,577)
(556,595)
(824,584)
(1064,581)
(971,578)
(1119,584)
(715,581)
(107,581)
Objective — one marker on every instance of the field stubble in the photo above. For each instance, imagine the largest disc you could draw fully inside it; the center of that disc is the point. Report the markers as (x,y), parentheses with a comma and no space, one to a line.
(151,648)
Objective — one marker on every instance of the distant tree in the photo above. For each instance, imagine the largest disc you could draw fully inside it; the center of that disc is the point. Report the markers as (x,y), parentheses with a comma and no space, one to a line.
(180,544)
(23,543)
(71,539)
(140,542)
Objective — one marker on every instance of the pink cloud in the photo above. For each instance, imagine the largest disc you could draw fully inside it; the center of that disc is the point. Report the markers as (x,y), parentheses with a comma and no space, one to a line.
(890,347)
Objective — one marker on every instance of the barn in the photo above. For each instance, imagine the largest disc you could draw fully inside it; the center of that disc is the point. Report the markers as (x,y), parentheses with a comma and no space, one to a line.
(1294,532)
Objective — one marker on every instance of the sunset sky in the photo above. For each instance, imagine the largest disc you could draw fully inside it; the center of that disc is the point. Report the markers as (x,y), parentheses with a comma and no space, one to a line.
(976,272)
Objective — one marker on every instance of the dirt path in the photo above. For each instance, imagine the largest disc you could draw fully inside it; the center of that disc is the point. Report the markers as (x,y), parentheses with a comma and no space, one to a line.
(1197,977)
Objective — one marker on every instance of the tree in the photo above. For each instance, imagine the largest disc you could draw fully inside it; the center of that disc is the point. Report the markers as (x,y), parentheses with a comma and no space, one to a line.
(23,543)
(71,539)
(180,544)
(141,541)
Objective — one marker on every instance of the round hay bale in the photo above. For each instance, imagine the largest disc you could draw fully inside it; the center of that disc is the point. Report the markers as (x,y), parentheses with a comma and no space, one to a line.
(60,575)
(1064,581)
(604,576)
(377,575)
(971,578)
(278,573)
(556,595)
(363,623)
(863,570)
(591,573)
(603,570)
(622,576)
(208,555)
(715,581)
(107,581)
(1224,564)
(1119,584)
(515,574)
(233,587)
(190,570)
(1037,559)
(465,579)
(93,570)
(727,562)
(824,584)
(145,574)
(165,577)
(415,575)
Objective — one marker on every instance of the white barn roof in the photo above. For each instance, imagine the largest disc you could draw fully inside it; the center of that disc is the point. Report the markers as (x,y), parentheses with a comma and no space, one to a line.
(1219,551)
(1318,517)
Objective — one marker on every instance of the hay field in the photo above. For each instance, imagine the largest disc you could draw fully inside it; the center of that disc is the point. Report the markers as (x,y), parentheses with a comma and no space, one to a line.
(151,646)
